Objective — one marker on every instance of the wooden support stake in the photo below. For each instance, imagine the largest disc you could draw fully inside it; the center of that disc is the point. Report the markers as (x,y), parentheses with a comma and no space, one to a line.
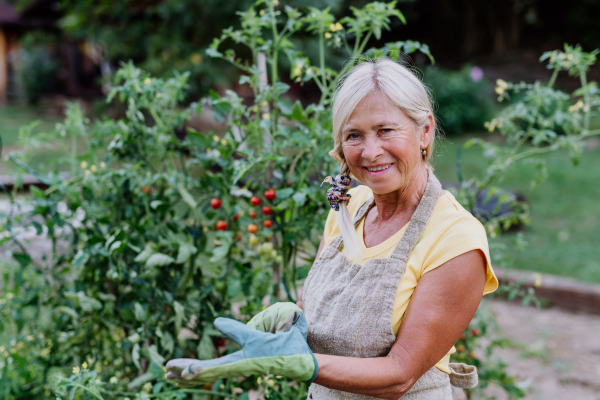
(3,66)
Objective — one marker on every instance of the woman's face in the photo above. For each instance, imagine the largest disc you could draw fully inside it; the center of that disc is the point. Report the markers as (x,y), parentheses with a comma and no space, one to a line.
(382,146)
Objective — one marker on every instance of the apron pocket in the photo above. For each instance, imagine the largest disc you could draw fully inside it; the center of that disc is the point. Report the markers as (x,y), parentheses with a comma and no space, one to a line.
(463,375)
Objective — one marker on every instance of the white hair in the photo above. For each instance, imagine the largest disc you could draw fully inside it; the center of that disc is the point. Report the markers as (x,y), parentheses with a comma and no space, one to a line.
(403,88)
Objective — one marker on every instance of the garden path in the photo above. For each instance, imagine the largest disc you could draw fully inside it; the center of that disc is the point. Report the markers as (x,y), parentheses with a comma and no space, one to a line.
(557,351)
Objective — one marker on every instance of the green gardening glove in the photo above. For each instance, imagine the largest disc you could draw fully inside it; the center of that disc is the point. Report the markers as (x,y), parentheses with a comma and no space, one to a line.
(263,353)
(279,318)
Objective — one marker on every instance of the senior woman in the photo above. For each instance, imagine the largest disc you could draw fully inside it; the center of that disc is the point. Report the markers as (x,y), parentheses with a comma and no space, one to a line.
(400,270)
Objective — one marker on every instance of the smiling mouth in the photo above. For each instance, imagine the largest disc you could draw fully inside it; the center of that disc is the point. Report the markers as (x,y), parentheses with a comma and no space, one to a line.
(381,168)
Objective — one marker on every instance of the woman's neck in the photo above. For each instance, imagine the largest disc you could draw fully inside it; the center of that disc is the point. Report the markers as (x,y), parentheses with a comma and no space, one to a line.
(399,203)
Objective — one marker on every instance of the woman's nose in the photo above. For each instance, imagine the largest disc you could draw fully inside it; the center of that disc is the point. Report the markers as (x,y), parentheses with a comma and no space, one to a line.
(372,149)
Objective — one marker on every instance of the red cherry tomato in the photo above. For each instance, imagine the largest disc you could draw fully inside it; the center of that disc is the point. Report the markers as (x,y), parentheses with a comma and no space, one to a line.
(147,190)
(270,194)
(268,223)
(252,214)
(236,216)
(221,342)
(252,228)
(167,308)
(475,332)
(221,225)
(267,210)
(255,201)
(215,203)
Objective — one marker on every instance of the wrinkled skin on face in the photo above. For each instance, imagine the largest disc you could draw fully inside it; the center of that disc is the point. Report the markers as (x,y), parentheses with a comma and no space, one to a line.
(378,134)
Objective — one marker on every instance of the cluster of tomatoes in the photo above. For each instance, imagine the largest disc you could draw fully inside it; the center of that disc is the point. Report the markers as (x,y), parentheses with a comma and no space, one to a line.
(270,195)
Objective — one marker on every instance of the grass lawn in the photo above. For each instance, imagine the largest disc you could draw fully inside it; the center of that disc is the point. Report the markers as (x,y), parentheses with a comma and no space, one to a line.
(564,234)
(14,117)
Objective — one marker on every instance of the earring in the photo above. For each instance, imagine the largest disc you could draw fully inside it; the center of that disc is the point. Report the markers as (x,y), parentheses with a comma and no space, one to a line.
(423,152)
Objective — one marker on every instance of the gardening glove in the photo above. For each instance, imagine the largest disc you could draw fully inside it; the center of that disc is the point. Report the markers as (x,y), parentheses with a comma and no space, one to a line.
(279,318)
(263,353)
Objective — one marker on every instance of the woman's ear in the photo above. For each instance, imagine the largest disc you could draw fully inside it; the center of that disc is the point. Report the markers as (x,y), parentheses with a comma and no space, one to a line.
(427,131)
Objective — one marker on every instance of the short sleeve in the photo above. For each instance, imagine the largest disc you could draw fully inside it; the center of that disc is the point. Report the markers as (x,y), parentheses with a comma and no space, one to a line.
(462,236)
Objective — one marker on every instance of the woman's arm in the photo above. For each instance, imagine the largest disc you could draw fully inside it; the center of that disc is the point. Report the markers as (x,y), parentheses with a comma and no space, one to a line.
(440,309)
(321,245)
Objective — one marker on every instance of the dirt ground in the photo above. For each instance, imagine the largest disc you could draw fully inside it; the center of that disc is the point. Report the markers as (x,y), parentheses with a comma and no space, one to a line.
(557,351)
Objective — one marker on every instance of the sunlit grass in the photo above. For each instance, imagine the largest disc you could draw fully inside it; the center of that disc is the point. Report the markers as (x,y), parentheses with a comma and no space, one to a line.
(563,236)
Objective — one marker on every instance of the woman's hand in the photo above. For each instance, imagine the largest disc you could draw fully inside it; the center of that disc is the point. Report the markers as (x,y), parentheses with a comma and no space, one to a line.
(440,309)
(285,353)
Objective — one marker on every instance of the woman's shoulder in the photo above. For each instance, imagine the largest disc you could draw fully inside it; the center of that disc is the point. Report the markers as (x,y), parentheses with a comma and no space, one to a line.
(449,211)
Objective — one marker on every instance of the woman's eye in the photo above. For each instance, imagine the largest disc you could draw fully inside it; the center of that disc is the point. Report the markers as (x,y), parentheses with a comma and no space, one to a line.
(353,136)
(386,130)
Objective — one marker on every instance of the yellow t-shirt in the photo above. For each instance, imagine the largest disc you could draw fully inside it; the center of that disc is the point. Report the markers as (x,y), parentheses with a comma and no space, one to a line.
(450,232)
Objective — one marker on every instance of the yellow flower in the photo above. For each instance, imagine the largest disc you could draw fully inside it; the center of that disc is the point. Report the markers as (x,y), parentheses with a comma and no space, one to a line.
(327,35)
(264,103)
(338,26)
(538,279)
(216,138)
(224,142)
(102,164)
(276,2)
(158,95)
(205,228)
(259,380)
(87,172)
(309,71)
(266,116)
(75,370)
(271,382)
(93,168)
(2,348)
(332,27)
(147,81)
(84,365)
(297,71)
(499,90)
(41,335)
(30,338)
(45,352)
(20,345)
(261,12)
(83,164)
(501,83)
(196,59)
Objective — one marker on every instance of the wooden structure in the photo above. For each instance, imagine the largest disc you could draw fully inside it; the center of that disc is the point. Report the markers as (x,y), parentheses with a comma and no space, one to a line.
(38,14)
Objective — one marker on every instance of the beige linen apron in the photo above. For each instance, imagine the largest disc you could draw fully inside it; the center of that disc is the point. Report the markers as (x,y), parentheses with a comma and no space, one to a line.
(349,307)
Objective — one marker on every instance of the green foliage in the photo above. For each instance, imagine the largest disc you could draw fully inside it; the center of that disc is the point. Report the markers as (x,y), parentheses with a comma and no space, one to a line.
(463,104)
(140,263)
(38,65)
(138,270)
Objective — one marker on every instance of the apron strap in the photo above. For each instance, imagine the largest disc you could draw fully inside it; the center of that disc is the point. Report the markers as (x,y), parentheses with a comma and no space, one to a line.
(419,219)
(417,222)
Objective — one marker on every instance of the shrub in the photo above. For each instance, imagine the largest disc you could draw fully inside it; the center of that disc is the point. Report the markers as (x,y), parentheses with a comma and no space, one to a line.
(462,97)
